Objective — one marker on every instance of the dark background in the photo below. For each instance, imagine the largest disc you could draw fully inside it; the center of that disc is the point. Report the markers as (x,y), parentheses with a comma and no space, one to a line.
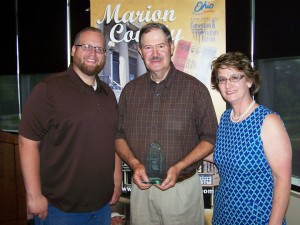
(43,31)
(277,28)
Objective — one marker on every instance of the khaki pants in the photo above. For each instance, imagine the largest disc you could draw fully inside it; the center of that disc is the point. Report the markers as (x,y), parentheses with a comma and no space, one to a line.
(181,205)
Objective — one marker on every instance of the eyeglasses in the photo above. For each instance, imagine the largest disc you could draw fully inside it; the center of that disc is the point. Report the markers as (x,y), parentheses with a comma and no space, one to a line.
(233,78)
(87,47)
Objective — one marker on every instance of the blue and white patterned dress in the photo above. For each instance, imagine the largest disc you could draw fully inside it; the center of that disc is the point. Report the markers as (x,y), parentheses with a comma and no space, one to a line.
(244,195)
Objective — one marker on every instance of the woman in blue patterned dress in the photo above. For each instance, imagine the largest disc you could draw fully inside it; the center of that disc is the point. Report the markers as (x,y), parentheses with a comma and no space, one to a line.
(253,151)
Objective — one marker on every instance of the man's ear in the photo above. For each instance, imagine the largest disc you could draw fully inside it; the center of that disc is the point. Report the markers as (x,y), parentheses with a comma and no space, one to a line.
(73,50)
(172,48)
(140,52)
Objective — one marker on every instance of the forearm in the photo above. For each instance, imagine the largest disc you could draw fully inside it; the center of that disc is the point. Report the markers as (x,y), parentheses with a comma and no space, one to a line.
(202,150)
(117,181)
(29,159)
(118,172)
(280,200)
(139,172)
(126,154)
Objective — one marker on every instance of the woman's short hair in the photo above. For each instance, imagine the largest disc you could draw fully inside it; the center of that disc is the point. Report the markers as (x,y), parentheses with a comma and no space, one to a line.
(238,61)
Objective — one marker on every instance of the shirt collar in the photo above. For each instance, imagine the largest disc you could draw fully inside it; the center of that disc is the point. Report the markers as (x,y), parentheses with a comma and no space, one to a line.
(83,86)
(169,78)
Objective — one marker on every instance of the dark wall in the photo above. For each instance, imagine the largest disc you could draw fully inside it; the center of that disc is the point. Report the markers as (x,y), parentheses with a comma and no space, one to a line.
(42,36)
(277,28)
(80,16)
(42,29)
(238,26)
(8,61)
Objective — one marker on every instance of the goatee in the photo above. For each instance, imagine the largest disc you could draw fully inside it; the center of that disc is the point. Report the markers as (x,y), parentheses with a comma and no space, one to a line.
(89,70)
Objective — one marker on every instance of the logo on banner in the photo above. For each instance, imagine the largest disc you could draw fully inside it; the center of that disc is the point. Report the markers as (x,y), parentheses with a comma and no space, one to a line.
(203,7)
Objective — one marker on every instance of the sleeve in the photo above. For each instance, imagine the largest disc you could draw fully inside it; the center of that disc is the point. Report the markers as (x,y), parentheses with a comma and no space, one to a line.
(122,113)
(36,115)
(205,116)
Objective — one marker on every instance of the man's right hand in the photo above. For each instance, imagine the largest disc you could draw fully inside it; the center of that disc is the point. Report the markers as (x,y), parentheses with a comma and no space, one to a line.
(140,177)
(38,206)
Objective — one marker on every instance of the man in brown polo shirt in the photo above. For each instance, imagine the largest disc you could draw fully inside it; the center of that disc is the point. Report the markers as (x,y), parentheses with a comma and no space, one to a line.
(173,110)
(67,141)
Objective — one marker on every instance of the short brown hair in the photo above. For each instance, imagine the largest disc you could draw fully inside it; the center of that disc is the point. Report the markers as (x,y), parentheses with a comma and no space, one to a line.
(150,26)
(238,61)
(93,29)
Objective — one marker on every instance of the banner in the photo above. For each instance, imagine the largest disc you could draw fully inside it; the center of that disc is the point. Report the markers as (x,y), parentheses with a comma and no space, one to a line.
(197,27)
(198,32)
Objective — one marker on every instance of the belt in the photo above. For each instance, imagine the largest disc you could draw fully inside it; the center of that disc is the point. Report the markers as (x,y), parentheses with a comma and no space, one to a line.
(185,176)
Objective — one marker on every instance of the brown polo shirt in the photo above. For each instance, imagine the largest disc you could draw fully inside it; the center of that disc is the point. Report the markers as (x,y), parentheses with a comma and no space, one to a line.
(76,127)
(177,113)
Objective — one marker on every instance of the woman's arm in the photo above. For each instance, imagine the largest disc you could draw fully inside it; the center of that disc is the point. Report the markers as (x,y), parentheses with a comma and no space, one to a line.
(278,150)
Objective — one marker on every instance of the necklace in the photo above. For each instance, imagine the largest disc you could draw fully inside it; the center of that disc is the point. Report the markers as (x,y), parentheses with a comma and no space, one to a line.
(237,119)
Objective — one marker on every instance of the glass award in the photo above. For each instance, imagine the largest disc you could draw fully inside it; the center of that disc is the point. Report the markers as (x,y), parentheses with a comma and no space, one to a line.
(155,164)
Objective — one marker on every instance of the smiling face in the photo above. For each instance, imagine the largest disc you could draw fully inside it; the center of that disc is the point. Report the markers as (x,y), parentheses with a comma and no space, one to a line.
(88,62)
(156,53)
(236,90)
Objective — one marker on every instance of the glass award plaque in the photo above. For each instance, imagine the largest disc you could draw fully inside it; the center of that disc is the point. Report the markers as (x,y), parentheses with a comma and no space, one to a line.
(155,164)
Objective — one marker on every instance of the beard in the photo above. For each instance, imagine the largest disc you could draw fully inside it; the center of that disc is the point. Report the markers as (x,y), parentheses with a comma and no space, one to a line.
(90,70)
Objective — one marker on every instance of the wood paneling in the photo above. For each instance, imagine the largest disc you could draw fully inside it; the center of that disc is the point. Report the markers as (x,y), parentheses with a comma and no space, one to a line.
(12,192)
